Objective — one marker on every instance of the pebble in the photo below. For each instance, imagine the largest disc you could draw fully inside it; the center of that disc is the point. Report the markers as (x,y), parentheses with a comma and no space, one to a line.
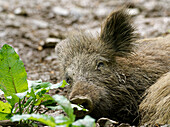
(40,24)
(101,12)
(3,34)
(51,42)
(20,11)
(133,11)
(60,11)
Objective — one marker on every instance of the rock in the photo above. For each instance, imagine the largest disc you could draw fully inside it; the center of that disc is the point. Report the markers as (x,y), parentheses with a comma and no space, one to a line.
(3,34)
(51,42)
(56,34)
(101,12)
(13,24)
(45,76)
(133,11)
(20,11)
(1,9)
(79,12)
(50,58)
(40,24)
(11,16)
(60,11)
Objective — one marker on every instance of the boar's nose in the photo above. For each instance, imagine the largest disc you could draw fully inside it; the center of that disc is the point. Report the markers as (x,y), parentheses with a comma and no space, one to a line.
(85,102)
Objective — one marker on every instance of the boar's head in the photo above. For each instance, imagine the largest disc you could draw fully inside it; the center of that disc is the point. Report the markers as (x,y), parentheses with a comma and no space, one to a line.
(89,64)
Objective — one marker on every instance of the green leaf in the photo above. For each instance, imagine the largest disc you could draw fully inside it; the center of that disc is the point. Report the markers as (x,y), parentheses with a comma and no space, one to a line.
(5,116)
(13,99)
(5,110)
(5,107)
(62,120)
(66,105)
(44,98)
(86,122)
(36,85)
(12,72)
(48,103)
(48,120)
(63,84)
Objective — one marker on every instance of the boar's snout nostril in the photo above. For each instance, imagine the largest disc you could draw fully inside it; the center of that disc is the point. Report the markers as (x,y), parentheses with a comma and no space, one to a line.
(85,102)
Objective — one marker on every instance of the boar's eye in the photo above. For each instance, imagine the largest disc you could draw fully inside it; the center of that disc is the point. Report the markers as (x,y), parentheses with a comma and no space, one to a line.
(69,79)
(99,65)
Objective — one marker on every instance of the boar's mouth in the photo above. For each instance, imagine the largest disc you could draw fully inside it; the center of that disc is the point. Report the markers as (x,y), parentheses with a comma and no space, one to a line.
(85,102)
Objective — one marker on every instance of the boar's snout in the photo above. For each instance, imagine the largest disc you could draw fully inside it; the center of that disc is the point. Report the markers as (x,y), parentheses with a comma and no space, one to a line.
(82,93)
(83,101)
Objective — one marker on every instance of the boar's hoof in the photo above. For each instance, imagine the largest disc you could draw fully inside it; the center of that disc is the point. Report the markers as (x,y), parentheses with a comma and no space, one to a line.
(83,101)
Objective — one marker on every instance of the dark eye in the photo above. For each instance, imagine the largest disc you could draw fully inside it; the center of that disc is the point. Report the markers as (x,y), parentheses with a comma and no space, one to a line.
(100,64)
(68,79)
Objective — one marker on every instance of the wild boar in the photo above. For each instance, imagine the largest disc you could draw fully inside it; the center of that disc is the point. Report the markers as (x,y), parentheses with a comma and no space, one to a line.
(155,108)
(108,74)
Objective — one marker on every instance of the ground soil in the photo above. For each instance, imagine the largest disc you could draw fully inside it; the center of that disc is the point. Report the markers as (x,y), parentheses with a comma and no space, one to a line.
(34,27)
(28,25)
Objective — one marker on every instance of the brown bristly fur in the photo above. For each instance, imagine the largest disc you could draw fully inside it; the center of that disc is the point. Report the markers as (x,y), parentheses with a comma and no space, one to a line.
(113,70)
(118,32)
(155,108)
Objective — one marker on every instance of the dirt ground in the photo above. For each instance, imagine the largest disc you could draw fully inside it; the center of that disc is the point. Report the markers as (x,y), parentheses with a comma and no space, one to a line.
(34,27)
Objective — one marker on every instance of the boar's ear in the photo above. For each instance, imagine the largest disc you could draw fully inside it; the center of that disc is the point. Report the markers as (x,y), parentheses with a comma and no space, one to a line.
(118,32)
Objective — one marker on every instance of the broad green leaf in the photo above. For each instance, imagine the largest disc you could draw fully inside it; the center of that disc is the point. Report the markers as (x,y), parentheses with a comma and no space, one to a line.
(12,72)
(48,120)
(86,122)
(12,99)
(62,120)
(66,105)
(5,107)
(5,110)
(5,116)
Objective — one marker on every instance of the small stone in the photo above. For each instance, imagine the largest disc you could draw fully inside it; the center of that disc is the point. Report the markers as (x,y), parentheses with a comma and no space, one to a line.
(11,16)
(20,11)
(40,24)
(55,34)
(13,24)
(45,77)
(1,9)
(51,42)
(52,72)
(102,12)
(3,33)
(133,11)
(41,43)
(60,11)
(40,48)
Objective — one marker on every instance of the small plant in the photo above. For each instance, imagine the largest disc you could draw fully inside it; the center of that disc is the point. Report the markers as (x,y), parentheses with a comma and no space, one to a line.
(25,98)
